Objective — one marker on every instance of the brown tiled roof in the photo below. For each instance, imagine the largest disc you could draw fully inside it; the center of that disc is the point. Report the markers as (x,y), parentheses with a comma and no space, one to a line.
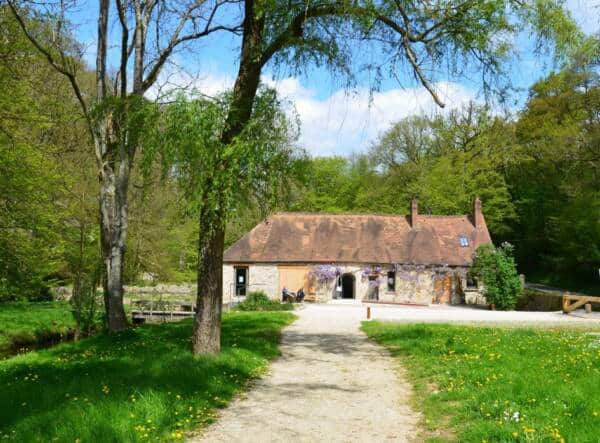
(350,238)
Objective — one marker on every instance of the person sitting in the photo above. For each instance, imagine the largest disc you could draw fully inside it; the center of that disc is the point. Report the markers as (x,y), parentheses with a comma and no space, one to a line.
(285,294)
(300,295)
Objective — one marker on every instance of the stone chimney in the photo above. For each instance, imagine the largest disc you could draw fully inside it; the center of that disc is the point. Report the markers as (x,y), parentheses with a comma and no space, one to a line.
(414,212)
(478,220)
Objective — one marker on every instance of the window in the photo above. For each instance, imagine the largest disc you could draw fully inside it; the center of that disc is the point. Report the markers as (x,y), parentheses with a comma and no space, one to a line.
(241,281)
(391,280)
(471,282)
(464,241)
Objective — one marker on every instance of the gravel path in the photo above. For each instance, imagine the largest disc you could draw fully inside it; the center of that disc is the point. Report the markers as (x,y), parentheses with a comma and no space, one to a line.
(330,384)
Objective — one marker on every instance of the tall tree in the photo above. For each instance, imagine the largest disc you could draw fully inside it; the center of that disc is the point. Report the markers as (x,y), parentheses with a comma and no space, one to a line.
(148,33)
(556,184)
(420,35)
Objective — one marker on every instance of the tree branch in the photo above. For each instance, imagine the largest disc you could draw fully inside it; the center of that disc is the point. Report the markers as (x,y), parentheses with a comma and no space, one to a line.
(421,76)
(176,40)
(295,29)
(124,50)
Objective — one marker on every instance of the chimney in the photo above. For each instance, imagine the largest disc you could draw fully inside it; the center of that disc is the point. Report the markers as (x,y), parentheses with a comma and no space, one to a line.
(414,212)
(478,214)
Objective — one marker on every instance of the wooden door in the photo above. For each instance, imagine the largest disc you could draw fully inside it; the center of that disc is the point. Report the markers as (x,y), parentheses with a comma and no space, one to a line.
(296,277)
(442,289)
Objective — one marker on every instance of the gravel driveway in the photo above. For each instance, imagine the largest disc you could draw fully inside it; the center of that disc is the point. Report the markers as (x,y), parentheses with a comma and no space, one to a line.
(331,384)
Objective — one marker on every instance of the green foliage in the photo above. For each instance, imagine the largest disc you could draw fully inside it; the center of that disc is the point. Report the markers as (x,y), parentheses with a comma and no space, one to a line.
(85,303)
(497,271)
(478,384)
(259,301)
(556,185)
(215,177)
(128,393)
(32,108)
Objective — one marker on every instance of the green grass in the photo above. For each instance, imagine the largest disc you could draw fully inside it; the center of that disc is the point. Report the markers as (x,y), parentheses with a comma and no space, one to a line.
(143,384)
(472,383)
(25,324)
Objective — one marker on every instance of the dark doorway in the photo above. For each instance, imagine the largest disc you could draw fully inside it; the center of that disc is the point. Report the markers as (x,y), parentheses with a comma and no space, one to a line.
(241,281)
(347,286)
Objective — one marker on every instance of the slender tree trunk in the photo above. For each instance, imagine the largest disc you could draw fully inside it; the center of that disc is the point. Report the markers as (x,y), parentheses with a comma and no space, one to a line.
(207,325)
(113,230)
(209,298)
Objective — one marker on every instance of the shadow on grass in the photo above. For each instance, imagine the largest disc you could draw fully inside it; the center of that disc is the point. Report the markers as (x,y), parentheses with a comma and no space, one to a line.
(127,387)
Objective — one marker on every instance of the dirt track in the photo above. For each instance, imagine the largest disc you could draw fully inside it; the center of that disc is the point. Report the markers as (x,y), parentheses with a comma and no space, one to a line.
(331,384)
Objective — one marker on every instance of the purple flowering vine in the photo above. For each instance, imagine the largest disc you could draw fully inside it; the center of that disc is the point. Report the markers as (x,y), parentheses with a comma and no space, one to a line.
(326,273)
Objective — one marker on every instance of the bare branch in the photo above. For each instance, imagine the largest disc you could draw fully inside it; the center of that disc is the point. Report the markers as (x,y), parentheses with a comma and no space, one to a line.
(176,39)
(122,75)
(412,58)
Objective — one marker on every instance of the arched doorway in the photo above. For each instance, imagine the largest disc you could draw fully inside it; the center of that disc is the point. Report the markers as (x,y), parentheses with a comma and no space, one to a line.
(348,286)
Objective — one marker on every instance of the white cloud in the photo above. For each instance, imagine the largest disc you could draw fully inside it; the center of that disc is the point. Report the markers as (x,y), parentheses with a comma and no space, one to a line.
(345,121)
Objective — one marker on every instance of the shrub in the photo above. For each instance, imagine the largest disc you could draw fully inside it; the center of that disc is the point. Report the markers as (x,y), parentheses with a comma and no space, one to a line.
(259,301)
(496,269)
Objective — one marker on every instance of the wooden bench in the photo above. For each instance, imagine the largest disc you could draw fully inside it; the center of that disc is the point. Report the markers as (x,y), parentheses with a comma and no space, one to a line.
(161,309)
(573,301)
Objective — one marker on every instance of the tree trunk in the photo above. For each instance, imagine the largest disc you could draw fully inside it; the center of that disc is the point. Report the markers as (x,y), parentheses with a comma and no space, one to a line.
(113,230)
(209,299)
(207,325)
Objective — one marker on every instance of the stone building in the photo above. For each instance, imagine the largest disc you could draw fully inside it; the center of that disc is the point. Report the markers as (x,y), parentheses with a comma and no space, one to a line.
(418,259)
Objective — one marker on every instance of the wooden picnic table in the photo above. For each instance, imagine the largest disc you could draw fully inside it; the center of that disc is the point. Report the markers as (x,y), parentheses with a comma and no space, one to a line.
(574,301)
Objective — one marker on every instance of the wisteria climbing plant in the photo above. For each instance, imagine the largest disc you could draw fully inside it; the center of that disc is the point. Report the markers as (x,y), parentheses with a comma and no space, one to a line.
(326,273)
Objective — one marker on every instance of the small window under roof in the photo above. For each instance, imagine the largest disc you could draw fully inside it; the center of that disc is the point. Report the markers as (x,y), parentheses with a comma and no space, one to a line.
(464,241)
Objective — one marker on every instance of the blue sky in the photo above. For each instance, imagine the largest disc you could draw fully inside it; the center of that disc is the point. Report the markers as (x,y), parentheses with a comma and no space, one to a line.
(335,120)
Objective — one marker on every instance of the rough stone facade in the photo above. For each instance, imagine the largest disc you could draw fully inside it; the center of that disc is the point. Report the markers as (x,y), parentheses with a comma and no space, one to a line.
(424,285)
(264,277)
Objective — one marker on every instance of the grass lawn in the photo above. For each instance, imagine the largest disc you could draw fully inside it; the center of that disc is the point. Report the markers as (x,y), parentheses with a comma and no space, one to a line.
(24,324)
(477,384)
(143,384)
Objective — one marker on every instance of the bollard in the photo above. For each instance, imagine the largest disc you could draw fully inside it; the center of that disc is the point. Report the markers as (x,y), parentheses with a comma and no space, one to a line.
(588,308)
(368,312)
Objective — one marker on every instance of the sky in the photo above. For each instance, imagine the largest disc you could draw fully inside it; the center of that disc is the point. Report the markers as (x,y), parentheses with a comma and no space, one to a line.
(335,120)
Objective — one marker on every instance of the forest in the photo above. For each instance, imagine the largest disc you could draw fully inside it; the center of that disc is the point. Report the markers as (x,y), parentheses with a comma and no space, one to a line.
(536,169)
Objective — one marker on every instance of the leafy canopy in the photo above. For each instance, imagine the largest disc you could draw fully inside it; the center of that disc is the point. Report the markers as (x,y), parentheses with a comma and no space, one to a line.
(215,176)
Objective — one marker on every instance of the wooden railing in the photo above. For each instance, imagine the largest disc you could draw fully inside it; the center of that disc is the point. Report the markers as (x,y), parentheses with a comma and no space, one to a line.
(161,309)
(574,301)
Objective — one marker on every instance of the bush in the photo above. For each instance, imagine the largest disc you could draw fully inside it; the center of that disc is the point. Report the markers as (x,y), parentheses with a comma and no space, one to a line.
(259,301)
(496,269)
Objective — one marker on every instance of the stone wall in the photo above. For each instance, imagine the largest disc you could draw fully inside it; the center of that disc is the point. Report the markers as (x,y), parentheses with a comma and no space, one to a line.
(261,277)
(228,283)
(264,277)
(413,284)
(417,287)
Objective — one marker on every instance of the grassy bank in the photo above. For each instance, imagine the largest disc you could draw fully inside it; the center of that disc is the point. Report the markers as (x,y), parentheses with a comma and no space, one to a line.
(140,385)
(23,325)
(478,384)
